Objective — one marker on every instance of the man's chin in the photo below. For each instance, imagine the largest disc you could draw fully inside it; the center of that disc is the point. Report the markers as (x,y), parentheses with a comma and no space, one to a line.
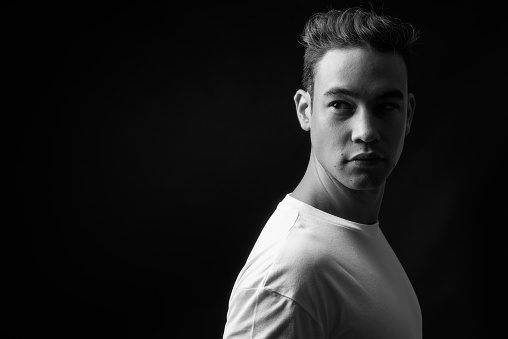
(364,182)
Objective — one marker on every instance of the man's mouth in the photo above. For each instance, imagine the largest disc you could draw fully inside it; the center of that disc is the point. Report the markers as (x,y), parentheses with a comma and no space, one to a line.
(370,156)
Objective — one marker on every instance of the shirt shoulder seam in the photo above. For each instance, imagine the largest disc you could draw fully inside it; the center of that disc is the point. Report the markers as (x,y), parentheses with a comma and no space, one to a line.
(296,303)
(280,248)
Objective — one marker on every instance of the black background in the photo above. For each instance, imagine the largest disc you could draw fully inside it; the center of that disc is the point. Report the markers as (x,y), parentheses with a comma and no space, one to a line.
(151,143)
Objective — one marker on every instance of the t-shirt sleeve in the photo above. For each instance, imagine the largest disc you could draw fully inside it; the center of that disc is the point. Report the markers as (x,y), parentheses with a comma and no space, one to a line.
(263,313)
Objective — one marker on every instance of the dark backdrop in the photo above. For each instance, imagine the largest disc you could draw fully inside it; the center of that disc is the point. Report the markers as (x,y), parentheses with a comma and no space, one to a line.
(152,142)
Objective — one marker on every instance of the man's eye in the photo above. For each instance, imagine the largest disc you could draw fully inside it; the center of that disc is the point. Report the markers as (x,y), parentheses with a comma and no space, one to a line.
(341,105)
(388,106)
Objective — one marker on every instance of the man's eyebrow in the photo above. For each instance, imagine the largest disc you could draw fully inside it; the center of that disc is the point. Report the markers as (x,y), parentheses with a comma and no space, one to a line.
(395,93)
(339,90)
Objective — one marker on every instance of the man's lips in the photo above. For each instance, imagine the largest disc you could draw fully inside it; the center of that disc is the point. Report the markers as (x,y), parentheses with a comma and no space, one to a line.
(370,156)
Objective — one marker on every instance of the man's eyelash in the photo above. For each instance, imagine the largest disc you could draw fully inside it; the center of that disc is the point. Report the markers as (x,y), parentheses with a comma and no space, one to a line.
(334,103)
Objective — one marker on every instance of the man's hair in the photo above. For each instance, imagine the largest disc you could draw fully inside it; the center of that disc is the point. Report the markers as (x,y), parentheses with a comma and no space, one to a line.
(353,27)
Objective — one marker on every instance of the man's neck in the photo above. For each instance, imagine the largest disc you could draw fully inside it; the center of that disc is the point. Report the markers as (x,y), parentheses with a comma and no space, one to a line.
(320,190)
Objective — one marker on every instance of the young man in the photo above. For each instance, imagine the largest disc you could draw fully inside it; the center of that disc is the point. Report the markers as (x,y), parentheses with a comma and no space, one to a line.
(321,267)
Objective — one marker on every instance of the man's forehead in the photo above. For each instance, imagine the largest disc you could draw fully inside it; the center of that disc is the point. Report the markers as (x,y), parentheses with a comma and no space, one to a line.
(361,69)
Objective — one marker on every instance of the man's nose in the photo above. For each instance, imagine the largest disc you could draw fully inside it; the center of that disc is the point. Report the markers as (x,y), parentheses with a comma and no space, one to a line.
(364,126)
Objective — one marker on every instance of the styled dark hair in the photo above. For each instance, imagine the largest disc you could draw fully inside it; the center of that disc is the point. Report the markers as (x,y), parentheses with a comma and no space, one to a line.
(353,27)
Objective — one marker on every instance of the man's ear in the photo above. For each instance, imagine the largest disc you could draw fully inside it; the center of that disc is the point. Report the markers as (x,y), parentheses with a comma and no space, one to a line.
(411,105)
(303,108)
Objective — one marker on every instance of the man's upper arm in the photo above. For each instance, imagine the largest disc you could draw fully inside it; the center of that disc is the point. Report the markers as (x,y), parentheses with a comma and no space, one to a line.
(263,313)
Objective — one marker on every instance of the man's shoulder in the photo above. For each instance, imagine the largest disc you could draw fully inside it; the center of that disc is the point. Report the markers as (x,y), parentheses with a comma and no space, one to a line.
(294,249)
(304,254)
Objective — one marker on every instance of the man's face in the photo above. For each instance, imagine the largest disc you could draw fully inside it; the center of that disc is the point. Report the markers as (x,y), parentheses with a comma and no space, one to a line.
(360,114)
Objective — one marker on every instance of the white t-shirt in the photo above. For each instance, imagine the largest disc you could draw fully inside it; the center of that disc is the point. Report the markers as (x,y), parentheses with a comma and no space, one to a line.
(314,275)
